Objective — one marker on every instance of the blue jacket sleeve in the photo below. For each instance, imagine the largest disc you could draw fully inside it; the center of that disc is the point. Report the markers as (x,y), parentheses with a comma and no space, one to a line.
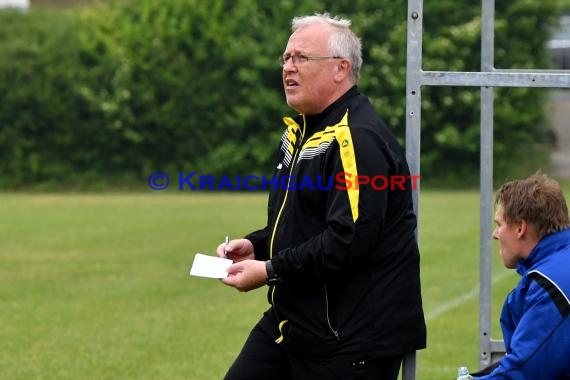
(539,347)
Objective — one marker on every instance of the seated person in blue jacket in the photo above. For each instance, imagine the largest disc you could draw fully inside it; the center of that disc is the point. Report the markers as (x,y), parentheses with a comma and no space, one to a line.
(532,228)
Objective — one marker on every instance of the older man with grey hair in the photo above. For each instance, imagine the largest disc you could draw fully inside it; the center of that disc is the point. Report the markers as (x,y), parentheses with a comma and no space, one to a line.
(338,253)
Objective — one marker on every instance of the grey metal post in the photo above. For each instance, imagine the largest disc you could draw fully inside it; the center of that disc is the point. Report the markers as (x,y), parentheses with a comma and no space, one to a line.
(413,125)
(486,184)
(413,90)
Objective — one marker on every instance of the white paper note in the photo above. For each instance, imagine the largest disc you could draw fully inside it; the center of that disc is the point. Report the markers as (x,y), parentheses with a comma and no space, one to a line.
(210,266)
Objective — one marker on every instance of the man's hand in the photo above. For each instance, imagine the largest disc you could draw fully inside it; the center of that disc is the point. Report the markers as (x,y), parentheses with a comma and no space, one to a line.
(246,275)
(237,250)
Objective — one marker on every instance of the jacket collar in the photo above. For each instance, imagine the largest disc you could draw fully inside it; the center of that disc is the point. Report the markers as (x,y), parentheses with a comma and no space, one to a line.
(548,244)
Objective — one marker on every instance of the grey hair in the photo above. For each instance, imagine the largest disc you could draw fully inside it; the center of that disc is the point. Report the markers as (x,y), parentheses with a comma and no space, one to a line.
(342,42)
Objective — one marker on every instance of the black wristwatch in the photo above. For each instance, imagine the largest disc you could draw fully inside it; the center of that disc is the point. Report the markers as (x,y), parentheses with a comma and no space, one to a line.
(272,279)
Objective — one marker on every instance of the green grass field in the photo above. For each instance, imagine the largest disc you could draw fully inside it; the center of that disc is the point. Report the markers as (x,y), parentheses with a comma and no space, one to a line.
(96,286)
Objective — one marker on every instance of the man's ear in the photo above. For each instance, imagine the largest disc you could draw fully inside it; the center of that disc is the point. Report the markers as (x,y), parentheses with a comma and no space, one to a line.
(522,228)
(342,69)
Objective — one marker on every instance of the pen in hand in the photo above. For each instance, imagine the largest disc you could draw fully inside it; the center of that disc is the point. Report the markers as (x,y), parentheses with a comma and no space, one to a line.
(226,247)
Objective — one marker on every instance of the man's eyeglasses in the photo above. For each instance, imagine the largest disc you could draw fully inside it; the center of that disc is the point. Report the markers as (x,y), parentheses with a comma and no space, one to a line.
(300,58)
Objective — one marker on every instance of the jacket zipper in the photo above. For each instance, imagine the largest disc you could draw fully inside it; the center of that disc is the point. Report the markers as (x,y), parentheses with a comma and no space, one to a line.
(293,162)
(335,332)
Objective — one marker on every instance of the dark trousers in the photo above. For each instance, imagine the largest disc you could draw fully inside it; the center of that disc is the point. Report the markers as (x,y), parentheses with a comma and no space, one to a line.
(263,359)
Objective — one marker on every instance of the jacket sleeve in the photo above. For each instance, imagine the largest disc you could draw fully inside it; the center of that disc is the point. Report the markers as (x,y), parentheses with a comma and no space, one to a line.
(259,239)
(540,344)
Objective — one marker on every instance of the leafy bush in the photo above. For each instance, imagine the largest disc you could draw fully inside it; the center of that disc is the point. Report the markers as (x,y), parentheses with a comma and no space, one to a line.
(117,90)
(38,108)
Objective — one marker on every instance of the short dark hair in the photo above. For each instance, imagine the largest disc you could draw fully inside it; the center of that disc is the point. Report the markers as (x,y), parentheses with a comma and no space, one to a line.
(538,200)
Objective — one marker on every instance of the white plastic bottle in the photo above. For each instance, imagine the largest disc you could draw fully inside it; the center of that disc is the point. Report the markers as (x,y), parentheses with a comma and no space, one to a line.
(463,374)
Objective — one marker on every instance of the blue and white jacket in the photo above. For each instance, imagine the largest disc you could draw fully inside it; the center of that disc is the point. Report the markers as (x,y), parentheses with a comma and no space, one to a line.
(536,315)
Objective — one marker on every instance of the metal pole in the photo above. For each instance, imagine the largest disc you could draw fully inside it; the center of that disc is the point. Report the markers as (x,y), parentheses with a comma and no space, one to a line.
(486,184)
(413,126)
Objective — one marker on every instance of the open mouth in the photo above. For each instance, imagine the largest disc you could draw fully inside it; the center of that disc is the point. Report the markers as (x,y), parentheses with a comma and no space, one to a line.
(291,83)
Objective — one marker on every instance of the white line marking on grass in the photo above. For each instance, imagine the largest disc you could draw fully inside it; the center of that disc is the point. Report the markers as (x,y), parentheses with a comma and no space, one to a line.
(466,297)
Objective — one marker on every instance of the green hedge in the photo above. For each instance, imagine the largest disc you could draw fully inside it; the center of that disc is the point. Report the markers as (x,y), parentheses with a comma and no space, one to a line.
(112,92)
(38,106)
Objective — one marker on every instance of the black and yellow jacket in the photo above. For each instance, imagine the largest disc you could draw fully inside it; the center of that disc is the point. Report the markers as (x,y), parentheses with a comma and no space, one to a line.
(347,257)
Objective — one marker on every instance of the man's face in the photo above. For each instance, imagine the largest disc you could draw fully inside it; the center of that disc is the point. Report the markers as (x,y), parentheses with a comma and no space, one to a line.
(508,235)
(310,86)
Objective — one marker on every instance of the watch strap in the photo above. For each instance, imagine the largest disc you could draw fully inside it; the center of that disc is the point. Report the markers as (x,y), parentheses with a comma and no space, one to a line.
(272,278)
